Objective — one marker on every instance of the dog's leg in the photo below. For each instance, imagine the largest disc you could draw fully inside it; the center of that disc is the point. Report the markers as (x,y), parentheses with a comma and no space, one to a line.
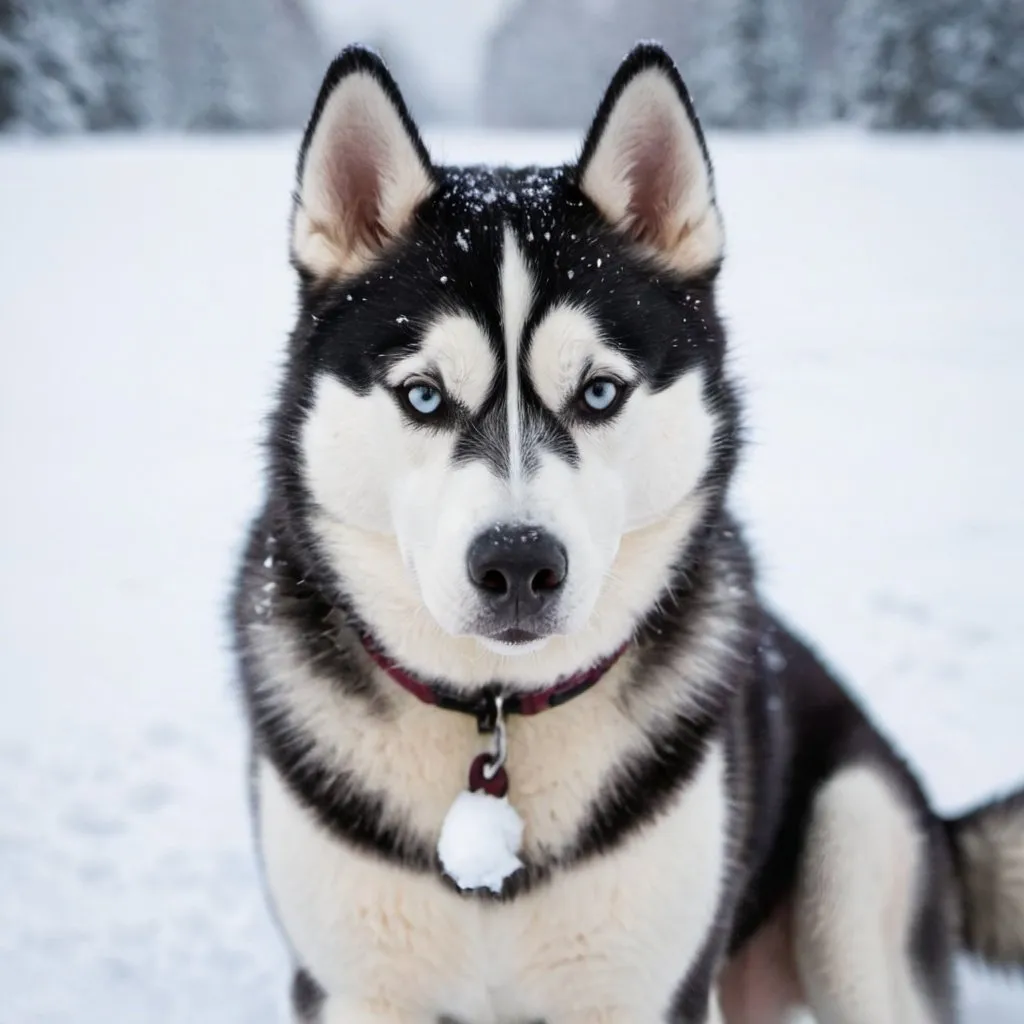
(759,984)
(864,874)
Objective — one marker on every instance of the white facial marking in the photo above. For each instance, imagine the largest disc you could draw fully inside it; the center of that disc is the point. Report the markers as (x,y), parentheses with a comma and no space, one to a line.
(396,513)
(661,443)
(664,447)
(348,441)
(516,296)
(455,347)
(565,341)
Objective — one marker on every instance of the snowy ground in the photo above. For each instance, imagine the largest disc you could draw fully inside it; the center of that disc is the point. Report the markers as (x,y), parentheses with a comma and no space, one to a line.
(875,293)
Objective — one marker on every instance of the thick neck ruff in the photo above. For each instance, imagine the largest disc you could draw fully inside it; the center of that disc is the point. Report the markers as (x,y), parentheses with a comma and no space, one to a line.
(487,774)
(491,702)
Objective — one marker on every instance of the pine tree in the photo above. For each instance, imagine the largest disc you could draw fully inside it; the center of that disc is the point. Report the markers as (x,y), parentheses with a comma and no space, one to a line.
(95,65)
(57,83)
(823,83)
(233,64)
(884,78)
(1001,72)
(936,65)
(75,65)
(9,65)
(221,100)
(977,51)
(751,70)
(783,62)
(122,48)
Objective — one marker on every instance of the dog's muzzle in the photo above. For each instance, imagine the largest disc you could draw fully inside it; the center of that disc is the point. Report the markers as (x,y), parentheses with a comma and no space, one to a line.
(519,573)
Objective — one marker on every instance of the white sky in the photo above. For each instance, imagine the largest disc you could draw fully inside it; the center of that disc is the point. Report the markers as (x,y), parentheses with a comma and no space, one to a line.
(444,37)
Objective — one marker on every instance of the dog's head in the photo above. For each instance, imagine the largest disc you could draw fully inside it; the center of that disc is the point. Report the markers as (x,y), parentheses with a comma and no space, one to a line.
(505,413)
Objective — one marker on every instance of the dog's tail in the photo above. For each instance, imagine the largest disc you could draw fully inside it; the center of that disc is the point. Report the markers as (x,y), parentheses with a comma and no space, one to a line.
(988,853)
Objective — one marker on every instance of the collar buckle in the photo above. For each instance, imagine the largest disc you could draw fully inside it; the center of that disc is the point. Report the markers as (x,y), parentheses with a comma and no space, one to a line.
(489,711)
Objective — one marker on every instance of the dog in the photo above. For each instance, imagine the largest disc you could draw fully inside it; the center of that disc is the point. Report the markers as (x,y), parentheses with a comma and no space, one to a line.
(527,745)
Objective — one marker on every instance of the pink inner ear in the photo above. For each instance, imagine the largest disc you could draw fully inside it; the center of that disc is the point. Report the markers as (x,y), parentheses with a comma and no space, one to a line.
(654,176)
(355,181)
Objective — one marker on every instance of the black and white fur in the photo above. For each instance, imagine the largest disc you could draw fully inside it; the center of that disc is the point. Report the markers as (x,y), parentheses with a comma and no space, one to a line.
(714,831)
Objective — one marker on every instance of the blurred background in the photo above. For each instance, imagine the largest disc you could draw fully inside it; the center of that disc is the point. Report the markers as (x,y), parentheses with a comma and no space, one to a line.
(870,169)
(221,65)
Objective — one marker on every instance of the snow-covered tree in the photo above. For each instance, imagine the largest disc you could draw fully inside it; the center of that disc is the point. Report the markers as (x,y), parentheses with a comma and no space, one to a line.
(936,64)
(1000,82)
(76,66)
(237,63)
(889,78)
(94,65)
(751,71)
(9,65)
(57,83)
(122,46)
(823,83)
(977,56)
(214,91)
(744,60)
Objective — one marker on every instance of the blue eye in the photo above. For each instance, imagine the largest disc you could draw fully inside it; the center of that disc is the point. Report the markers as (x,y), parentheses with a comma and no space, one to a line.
(423,399)
(601,395)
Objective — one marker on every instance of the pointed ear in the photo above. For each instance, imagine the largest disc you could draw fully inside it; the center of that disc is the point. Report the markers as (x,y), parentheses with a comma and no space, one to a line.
(363,169)
(645,165)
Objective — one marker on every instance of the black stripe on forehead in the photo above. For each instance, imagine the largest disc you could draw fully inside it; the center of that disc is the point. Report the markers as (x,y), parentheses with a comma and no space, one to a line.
(663,324)
(469,217)
(541,428)
(485,438)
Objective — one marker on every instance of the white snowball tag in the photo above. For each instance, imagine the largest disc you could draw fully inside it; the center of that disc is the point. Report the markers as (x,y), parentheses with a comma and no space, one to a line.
(480,838)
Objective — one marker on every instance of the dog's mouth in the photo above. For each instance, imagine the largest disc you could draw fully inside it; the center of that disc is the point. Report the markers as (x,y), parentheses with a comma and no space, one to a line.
(513,641)
(516,636)
(514,631)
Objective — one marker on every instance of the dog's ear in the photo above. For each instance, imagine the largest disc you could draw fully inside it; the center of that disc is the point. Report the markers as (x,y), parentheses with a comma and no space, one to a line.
(645,165)
(363,169)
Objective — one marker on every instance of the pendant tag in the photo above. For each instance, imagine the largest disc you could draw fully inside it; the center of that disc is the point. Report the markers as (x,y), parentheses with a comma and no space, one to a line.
(480,839)
(483,778)
(482,833)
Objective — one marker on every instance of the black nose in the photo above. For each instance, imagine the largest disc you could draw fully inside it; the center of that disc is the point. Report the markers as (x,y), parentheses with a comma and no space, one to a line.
(518,570)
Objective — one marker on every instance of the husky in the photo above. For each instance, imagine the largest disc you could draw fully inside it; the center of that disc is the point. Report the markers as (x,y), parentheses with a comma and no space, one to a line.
(527,745)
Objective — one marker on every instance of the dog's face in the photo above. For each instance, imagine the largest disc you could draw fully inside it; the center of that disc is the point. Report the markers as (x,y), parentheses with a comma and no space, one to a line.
(506,389)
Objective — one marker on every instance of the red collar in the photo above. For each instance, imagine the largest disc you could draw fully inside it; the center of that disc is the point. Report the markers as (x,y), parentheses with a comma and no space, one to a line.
(483,707)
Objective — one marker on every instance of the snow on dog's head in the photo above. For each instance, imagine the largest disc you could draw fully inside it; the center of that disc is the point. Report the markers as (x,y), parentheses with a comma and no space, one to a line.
(506,411)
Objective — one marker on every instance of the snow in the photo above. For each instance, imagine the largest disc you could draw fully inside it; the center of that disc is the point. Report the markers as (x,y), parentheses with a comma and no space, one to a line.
(479,840)
(874,294)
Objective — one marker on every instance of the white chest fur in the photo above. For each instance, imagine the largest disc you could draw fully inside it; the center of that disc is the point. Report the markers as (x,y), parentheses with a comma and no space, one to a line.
(607,940)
